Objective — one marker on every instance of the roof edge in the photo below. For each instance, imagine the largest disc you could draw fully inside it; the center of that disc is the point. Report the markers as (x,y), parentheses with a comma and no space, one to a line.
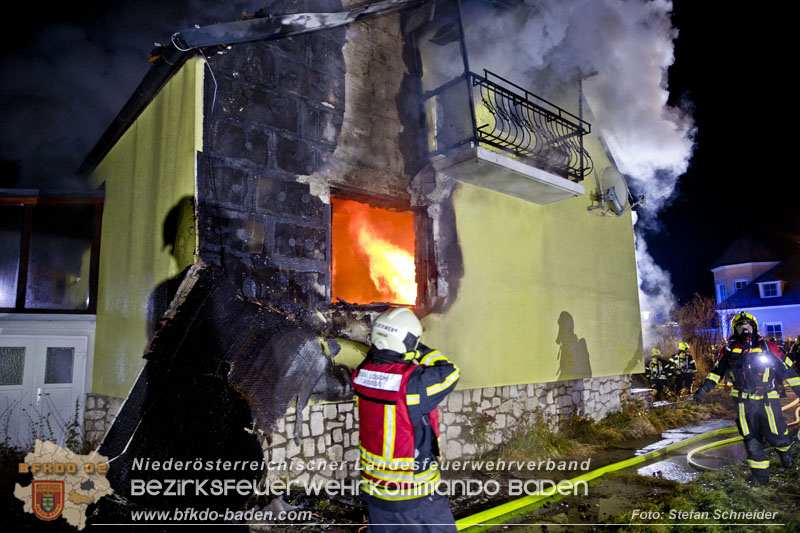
(186,42)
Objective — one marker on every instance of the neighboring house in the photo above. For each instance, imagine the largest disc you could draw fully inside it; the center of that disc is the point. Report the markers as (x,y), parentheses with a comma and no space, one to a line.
(296,144)
(749,277)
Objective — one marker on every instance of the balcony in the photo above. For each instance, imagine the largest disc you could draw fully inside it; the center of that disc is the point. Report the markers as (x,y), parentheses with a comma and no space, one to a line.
(487,131)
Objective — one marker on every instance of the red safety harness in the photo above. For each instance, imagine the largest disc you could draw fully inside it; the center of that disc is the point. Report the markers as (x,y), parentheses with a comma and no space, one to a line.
(387,433)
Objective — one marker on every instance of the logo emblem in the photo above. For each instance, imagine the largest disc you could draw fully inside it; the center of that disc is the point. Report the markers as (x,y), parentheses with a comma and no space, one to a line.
(48,499)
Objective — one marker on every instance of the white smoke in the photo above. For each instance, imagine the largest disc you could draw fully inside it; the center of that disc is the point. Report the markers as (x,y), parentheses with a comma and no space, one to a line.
(621,50)
(655,292)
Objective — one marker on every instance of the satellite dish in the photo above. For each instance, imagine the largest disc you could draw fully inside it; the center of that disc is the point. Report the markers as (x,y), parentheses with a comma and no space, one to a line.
(612,196)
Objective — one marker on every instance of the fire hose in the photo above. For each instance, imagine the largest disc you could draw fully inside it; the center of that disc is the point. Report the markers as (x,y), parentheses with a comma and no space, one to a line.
(524,505)
(502,513)
(734,440)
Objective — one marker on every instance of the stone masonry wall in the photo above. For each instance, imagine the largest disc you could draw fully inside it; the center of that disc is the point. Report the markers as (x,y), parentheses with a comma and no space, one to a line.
(99,414)
(473,421)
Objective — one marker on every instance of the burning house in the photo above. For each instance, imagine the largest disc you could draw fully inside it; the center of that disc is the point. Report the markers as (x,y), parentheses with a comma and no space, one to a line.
(310,172)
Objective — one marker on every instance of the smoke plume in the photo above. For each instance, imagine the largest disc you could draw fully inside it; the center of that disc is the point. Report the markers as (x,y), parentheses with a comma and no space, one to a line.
(621,50)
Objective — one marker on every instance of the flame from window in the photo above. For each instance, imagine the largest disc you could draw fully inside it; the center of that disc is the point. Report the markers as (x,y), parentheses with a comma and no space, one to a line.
(373,254)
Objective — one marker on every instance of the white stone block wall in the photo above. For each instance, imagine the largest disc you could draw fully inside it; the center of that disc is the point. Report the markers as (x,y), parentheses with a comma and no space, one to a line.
(472,422)
(99,414)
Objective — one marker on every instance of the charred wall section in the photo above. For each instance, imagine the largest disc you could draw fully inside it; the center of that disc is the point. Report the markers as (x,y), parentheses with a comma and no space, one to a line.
(269,124)
(285,120)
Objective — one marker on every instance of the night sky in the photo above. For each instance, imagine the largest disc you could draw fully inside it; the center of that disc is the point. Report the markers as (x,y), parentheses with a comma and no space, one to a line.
(741,178)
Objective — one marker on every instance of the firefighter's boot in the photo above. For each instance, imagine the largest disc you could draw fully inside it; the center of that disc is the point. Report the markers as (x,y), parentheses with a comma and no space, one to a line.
(758,478)
(787,461)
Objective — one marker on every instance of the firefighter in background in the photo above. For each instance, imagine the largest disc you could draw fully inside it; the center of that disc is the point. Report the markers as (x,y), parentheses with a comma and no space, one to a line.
(794,354)
(658,372)
(398,388)
(755,365)
(683,368)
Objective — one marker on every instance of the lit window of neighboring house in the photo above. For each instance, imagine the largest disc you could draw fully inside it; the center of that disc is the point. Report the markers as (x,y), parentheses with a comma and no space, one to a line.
(739,284)
(774,329)
(770,290)
(721,294)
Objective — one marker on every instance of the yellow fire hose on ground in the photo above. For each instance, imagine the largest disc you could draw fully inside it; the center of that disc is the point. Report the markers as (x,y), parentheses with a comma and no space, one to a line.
(521,506)
(727,442)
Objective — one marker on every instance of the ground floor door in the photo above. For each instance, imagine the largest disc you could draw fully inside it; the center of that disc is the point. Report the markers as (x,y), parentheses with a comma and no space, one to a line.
(42,388)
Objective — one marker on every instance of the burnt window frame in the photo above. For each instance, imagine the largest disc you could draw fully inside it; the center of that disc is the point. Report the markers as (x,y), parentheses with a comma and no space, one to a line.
(28,204)
(423,248)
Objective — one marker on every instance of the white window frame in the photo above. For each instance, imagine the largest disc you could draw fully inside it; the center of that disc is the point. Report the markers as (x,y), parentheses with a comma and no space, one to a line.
(762,289)
(722,294)
(744,284)
(773,324)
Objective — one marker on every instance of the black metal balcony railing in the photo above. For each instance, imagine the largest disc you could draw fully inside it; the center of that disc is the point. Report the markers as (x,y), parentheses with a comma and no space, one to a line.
(510,118)
(531,127)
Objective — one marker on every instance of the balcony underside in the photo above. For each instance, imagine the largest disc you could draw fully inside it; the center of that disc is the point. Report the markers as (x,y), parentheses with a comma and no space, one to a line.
(501,173)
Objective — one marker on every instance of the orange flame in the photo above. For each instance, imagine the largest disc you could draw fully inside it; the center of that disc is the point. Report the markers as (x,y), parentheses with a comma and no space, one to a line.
(373,254)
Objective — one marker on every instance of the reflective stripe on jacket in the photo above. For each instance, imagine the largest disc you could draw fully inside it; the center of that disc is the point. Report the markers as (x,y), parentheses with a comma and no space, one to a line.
(754,370)
(387,433)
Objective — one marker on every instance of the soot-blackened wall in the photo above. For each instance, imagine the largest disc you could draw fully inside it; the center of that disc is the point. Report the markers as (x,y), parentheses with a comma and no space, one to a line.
(286,120)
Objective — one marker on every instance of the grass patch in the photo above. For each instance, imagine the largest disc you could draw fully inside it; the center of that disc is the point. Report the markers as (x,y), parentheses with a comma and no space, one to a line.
(533,439)
(724,491)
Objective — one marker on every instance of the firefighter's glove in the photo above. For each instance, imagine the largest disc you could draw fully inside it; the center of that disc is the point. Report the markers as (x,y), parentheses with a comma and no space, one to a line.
(699,395)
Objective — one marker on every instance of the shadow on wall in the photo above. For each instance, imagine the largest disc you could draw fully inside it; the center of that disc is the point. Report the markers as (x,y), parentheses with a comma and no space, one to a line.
(573,355)
(636,358)
(178,233)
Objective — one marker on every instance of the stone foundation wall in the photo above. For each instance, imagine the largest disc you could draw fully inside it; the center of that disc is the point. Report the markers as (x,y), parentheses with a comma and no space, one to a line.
(99,415)
(473,421)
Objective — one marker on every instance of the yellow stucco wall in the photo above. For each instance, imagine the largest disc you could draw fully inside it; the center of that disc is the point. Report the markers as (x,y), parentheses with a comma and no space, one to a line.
(147,174)
(539,279)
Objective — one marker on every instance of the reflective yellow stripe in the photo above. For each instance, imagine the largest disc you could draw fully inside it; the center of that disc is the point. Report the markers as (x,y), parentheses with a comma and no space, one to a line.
(412,399)
(758,464)
(432,357)
(430,474)
(713,377)
(752,396)
(771,417)
(737,350)
(766,375)
(793,382)
(439,387)
(756,350)
(401,472)
(398,493)
(388,475)
(743,421)
(388,431)
(783,448)
(399,476)
(393,462)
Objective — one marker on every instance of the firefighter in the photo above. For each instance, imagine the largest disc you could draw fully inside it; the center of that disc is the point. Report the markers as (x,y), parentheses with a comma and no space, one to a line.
(398,388)
(658,372)
(683,368)
(755,365)
(794,354)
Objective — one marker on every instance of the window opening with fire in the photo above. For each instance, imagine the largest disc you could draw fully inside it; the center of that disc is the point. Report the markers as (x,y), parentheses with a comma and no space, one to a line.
(372,254)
